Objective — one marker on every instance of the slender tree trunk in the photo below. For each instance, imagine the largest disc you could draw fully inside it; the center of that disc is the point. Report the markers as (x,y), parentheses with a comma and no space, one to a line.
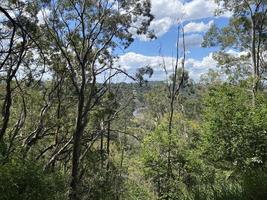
(174,91)
(122,145)
(108,145)
(254,62)
(77,135)
(75,166)
(102,143)
(6,110)
(169,164)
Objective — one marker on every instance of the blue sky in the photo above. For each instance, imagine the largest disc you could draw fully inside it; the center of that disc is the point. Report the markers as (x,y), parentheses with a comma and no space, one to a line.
(197,16)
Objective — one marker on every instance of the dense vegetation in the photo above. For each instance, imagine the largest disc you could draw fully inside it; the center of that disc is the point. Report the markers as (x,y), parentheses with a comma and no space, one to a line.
(66,135)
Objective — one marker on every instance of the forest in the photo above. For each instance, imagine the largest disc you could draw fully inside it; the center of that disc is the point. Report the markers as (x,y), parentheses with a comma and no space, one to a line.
(70,130)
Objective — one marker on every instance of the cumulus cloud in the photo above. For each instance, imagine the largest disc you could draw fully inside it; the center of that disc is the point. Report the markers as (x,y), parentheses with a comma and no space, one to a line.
(199,9)
(191,41)
(131,61)
(161,26)
(198,67)
(197,27)
(168,12)
(206,62)
(237,53)
(167,8)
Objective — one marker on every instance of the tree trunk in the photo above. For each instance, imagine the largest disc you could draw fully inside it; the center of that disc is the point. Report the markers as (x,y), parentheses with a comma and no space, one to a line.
(253,62)
(77,135)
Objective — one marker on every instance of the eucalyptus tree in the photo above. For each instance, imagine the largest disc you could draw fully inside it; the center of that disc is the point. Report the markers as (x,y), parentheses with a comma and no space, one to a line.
(246,32)
(174,88)
(163,161)
(12,53)
(17,41)
(84,35)
(236,128)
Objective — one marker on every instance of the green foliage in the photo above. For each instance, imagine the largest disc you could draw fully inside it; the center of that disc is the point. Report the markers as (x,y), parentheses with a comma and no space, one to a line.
(156,147)
(250,186)
(235,35)
(254,184)
(244,33)
(137,191)
(234,131)
(104,178)
(24,179)
(214,149)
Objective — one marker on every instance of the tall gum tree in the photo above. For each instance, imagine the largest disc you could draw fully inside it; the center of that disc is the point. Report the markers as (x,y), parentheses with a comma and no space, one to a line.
(17,40)
(246,32)
(84,34)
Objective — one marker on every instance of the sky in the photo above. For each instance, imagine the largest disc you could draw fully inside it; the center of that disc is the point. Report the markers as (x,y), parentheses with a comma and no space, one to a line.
(197,16)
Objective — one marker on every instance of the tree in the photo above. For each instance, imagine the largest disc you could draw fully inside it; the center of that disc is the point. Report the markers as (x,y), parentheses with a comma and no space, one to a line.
(234,131)
(176,84)
(156,152)
(25,179)
(246,32)
(17,39)
(84,35)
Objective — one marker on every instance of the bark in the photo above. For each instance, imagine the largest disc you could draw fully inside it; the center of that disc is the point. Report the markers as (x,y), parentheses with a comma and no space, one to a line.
(76,152)
(174,92)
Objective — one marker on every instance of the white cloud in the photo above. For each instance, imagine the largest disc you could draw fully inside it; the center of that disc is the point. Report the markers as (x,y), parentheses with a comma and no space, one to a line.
(168,12)
(198,67)
(237,53)
(174,8)
(199,9)
(191,41)
(161,26)
(206,62)
(131,61)
(197,27)
(165,13)
(42,15)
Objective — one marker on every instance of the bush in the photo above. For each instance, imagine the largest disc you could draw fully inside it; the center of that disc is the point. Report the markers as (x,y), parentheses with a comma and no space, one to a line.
(255,185)
(24,179)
